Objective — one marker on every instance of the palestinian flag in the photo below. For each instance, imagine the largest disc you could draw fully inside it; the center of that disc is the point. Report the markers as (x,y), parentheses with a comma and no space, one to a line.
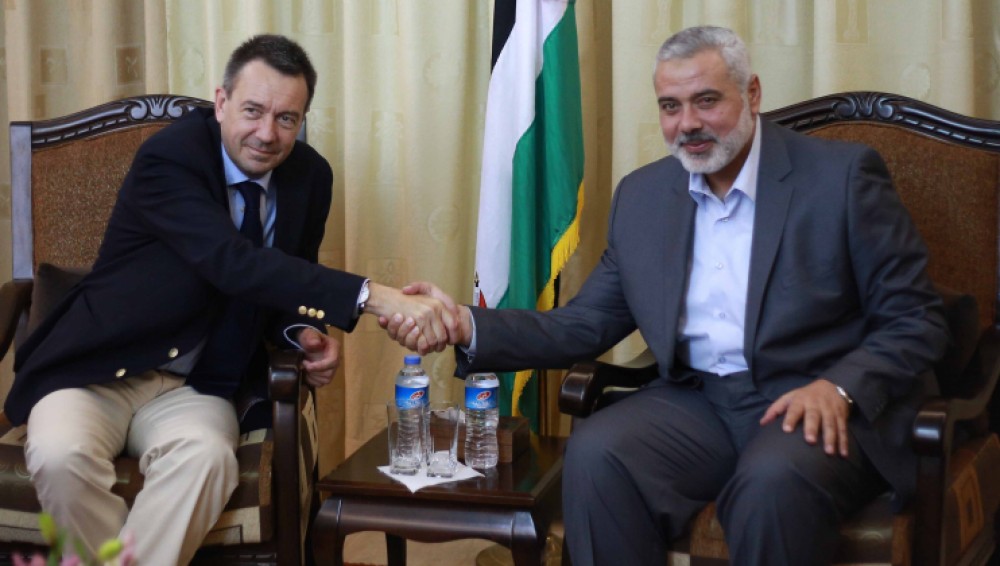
(531,191)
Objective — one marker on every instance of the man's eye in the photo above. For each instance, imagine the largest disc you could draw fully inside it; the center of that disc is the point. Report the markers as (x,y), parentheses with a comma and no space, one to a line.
(706,101)
(251,112)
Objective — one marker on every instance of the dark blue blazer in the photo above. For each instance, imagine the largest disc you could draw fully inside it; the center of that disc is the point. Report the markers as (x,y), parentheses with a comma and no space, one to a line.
(171,256)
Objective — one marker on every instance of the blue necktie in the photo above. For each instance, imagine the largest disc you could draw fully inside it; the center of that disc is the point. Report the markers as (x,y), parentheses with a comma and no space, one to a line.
(251,227)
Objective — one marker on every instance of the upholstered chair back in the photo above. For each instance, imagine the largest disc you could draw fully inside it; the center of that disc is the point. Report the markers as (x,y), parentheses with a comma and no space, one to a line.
(959,226)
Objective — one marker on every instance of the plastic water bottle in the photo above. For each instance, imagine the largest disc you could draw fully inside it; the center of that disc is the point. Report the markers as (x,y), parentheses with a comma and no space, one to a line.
(481,417)
(412,401)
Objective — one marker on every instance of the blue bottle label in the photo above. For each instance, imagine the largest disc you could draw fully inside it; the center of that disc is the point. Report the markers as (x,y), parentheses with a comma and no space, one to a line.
(481,398)
(411,397)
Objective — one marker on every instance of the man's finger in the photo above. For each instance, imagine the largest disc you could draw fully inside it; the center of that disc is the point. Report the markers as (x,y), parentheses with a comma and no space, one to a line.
(842,436)
(776,409)
(411,340)
(399,331)
(831,436)
(792,417)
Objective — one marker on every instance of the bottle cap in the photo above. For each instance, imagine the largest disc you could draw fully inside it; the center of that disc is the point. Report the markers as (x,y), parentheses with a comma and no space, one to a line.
(411,360)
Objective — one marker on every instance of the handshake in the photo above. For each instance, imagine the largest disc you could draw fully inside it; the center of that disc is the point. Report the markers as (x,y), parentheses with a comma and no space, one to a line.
(420,316)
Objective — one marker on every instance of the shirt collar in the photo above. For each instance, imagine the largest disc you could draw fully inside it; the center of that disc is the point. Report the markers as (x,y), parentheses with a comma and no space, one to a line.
(234,175)
(746,181)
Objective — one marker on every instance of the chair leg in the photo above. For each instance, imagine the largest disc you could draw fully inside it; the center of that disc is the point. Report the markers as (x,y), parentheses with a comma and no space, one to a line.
(396,549)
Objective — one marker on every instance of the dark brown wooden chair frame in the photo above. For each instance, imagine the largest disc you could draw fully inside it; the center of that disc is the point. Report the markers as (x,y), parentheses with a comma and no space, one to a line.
(285,373)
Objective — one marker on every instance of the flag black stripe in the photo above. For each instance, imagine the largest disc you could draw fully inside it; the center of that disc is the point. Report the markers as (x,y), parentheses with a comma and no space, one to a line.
(504,12)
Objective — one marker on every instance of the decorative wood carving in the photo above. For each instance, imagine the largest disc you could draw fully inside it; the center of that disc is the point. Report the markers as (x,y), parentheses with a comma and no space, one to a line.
(891,108)
(127,111)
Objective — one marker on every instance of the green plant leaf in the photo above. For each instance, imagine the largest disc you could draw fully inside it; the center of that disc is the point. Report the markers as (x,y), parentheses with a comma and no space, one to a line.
(47,525)
(109,550)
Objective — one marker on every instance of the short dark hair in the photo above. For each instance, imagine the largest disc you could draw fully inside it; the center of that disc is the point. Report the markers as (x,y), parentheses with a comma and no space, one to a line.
(279,52)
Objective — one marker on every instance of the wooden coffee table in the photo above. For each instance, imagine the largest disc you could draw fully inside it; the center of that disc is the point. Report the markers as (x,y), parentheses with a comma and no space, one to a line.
(513,505)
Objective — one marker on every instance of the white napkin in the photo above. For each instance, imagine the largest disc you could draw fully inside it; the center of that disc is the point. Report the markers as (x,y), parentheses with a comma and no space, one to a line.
(420,480)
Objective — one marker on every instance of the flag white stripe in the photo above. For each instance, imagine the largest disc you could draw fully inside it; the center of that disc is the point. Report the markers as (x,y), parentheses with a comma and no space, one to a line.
(510,111)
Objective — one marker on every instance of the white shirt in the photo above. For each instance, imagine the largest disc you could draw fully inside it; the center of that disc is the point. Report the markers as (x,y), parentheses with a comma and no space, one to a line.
(711,326)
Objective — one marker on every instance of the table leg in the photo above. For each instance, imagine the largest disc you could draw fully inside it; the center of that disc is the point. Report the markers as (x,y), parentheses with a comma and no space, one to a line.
(396,549)
(327,541)
(527,544)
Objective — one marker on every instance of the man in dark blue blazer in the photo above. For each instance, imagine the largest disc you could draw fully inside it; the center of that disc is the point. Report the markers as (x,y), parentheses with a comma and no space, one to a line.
(781,286)
(210,250)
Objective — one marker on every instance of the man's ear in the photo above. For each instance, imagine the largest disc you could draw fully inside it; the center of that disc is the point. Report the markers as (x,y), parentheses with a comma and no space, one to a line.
(753,94)
(220,102)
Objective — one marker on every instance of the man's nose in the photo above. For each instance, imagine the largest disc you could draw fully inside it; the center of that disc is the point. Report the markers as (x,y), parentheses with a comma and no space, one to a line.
(266,129)
(690,121)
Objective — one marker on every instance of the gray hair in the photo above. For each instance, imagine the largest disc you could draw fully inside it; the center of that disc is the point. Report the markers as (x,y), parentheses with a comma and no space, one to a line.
(691,41)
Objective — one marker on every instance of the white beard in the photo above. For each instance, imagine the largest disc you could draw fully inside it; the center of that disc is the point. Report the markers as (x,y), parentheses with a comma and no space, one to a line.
(724,150)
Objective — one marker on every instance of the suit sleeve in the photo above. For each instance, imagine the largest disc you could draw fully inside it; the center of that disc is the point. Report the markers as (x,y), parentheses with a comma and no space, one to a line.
(313,229)
(591,323)
(906,331)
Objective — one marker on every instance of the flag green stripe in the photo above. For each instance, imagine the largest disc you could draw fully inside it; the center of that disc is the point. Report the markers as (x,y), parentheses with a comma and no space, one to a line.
(547,172)
(548,167)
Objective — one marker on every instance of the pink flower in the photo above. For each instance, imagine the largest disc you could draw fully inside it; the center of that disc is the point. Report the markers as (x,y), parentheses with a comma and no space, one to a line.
(127,557)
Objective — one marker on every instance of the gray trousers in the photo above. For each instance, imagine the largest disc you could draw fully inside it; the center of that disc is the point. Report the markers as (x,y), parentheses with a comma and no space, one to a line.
(637,471)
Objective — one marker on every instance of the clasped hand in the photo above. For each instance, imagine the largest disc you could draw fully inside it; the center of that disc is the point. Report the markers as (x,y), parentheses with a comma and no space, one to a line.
(419,316)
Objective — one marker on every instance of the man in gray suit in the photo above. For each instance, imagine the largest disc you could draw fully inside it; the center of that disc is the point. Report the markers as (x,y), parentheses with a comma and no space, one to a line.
(781,286)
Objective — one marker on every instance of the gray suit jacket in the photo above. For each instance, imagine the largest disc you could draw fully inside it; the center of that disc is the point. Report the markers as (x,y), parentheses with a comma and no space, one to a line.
(837,289)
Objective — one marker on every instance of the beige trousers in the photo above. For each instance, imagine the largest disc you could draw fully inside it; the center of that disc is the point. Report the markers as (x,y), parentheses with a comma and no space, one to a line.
(185,442)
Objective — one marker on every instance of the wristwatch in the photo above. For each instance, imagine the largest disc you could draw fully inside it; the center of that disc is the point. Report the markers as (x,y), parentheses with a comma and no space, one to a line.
(843,395)
(363,298)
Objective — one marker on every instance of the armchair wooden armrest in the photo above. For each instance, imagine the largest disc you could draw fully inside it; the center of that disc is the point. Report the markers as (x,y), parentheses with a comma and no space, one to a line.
(288,394)
(933,428)
(585,383)
(934,439)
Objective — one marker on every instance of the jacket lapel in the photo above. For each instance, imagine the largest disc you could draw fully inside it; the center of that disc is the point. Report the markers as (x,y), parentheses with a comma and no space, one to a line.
(773,198)
(219,192)
(678,226)
(291,208)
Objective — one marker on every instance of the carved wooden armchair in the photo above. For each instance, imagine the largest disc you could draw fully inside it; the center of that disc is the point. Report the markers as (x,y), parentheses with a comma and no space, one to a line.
(65,177)
(946,168)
